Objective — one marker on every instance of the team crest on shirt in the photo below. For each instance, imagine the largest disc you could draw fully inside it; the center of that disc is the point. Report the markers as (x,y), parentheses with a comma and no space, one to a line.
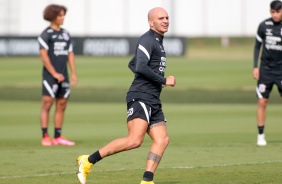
(268,32)
(261,88)
(281,31)
(66,36)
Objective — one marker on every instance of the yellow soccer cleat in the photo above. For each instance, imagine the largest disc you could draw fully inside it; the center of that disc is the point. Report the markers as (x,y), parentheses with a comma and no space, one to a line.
(84,168)
(146,182)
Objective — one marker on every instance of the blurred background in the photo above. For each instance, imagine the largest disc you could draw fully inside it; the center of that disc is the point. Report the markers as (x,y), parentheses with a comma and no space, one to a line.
(129,17)
(200,31)
(92,23)
(202,34)
(209,39)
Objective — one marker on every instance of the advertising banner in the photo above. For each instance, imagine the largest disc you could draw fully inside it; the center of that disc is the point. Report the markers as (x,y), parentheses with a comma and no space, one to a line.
(88,46)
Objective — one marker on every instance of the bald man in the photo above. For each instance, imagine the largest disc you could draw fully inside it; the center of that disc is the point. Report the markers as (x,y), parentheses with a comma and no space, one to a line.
(144,108)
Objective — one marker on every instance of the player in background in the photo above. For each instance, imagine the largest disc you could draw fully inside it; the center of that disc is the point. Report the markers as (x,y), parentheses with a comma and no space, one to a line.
(56,51)
(144,107)
(269,36)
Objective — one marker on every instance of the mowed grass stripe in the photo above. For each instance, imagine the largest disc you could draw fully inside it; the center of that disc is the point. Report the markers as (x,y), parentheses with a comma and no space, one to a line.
(129,169)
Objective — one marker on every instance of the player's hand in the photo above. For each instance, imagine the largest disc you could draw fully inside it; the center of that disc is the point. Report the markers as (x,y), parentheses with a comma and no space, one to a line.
(73,80)
(256,73)
(170,81)
(59,77)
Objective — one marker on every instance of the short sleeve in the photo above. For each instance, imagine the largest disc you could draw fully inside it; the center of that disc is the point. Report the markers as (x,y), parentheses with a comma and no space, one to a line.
(43,40)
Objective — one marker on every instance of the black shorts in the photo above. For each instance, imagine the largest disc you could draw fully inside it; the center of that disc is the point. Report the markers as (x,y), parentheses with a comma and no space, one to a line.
(50,87)
(138,109)
(266,82)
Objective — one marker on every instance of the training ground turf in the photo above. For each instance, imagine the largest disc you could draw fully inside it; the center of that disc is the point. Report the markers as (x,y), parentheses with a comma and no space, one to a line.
(211,117)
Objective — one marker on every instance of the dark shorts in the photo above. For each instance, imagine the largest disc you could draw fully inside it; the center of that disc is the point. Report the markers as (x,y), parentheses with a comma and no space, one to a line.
(151,114)
(50,87)
(266,82)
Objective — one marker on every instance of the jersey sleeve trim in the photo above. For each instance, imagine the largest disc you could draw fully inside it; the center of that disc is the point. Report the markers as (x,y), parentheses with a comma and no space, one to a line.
(70,48)
(144,50)
(43,43)
(259,38)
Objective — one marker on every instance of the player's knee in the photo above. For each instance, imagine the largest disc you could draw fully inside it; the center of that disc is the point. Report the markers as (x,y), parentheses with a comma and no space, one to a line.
(135,143)
(46,105)
(163,142)
(262,103)
(166,141)
(61,106)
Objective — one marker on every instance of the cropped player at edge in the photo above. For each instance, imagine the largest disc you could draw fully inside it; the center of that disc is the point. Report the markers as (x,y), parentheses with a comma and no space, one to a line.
(269,35)
(55,52)
(144,108)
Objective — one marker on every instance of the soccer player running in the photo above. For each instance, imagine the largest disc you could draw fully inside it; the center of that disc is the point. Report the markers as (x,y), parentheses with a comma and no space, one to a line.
(144,107)
(269,35)
(56,51)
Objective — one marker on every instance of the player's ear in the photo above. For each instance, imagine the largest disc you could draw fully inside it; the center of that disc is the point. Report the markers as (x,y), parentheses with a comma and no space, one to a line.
(150,23)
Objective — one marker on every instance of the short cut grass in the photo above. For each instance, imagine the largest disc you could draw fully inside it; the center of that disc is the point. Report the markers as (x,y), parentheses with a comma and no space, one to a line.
(52,11)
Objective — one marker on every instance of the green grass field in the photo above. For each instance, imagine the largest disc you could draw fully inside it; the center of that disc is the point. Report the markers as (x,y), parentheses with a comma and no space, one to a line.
(211,117)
